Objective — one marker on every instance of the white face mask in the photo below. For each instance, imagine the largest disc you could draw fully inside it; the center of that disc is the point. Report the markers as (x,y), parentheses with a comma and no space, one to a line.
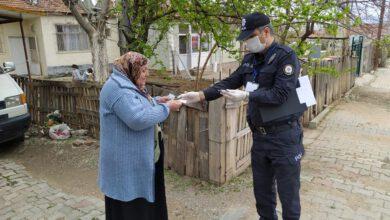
(254,45)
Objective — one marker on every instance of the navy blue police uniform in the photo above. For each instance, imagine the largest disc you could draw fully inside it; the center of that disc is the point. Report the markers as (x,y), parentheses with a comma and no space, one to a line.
(277,145)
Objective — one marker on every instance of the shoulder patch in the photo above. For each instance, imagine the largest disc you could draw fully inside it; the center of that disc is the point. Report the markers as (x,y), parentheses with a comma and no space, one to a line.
(288,70)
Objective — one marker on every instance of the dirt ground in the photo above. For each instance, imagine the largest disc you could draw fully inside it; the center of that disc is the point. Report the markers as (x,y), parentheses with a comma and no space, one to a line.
(73,169)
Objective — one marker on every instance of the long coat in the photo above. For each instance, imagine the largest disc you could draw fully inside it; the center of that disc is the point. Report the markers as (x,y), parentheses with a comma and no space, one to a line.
(127,123)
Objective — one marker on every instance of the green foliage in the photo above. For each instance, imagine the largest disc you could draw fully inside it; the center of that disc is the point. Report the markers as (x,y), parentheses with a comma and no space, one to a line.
(293,20)
(314,66)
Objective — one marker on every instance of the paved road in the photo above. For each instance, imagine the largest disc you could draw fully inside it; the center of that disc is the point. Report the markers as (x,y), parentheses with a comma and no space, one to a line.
(346,171)
(22,197)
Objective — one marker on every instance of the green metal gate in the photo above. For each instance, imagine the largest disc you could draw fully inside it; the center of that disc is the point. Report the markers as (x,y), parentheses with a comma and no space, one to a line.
(357,47)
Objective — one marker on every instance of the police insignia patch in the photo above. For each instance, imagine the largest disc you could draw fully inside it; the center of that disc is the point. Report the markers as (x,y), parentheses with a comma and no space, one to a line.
(288,70)
(272,58)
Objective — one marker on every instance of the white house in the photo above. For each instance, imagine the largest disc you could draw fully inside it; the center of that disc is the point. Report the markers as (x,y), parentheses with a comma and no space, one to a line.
(54,40)
(180,48)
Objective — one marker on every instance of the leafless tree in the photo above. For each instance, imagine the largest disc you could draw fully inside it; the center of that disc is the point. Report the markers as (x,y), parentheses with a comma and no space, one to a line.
(93,19)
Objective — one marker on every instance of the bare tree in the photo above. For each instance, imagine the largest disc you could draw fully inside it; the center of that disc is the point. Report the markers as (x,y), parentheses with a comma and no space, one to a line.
(379,35)
(93,19)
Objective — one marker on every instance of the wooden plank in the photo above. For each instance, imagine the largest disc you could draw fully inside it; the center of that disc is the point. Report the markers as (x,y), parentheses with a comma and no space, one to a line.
(243,132)
(217,141)
(203,146)
(190,159)
(243,164)
(196,129)
(180,156)
(171,149)
(232,119)
(190,124)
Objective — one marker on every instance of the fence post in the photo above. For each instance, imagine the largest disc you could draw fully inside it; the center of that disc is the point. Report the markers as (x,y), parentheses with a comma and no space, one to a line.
(217,141)
(232,109)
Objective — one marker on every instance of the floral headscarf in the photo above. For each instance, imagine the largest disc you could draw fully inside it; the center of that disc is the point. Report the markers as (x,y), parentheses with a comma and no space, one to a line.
(131,64)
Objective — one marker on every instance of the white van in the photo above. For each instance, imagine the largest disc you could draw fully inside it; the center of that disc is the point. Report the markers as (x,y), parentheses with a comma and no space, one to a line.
(14,116)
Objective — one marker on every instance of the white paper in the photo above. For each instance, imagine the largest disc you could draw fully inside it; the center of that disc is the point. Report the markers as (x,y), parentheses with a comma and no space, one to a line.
(305,92)
(171,96)
(250,86)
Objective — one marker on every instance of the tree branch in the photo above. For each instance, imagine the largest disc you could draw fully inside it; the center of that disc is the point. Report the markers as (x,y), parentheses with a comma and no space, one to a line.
(80,19)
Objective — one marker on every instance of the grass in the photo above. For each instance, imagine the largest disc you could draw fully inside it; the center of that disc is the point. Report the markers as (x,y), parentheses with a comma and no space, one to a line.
(9,181)
(183,183)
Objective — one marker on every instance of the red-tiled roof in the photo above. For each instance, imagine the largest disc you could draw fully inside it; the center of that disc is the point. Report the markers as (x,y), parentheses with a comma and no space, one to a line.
(371,30)
(43,6)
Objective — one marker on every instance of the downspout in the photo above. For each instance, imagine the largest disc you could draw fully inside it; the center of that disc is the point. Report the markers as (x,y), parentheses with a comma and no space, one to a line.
(25,49)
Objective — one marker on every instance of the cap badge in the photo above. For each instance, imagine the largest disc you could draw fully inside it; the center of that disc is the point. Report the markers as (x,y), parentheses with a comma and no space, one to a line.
(243,24)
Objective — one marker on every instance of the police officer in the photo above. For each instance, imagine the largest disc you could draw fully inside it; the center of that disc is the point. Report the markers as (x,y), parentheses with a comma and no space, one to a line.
(269,73)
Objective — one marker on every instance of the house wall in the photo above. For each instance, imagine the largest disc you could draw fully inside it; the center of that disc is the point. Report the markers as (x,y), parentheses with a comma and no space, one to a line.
(51,60)
(58,61)
(164,56)
(13,30)
(367,63)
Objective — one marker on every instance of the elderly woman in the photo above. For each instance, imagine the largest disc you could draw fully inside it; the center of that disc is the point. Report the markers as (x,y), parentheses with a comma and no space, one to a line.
(131,152)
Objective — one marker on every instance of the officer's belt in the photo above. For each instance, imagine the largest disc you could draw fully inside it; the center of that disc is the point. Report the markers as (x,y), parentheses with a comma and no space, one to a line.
(275,128)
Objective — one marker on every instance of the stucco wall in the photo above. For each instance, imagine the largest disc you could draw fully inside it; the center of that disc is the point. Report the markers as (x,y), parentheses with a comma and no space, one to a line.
(51,60)
(57,61)
(164,54)
(13,30)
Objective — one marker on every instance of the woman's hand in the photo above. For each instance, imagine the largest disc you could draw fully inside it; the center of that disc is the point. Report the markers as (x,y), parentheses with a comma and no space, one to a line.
(174,105)
(163,99)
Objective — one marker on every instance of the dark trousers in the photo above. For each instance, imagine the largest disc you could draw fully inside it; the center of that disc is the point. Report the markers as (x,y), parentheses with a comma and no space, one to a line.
(276,167)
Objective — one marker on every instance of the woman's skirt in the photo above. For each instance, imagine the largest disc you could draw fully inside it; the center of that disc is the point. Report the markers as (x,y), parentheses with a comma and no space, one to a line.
(141,209)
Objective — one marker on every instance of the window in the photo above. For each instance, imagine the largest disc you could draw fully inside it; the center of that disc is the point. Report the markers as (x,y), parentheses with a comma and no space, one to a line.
(183,38)
(183,44)
(71,38)
(205,43)
(33,50)
(196,43)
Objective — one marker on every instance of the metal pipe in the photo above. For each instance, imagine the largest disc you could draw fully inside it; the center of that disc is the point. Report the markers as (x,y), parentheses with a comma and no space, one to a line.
(25,50)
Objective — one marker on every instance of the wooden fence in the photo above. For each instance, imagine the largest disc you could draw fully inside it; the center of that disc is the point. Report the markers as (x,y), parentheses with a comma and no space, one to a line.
(209,142)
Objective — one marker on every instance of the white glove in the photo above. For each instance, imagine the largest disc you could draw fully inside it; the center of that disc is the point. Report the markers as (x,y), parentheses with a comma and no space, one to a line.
(235,95)
(190,97)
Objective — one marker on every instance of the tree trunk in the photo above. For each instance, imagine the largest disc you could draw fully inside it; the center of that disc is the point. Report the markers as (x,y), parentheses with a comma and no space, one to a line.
(99,57)
(204,66)
(379,35)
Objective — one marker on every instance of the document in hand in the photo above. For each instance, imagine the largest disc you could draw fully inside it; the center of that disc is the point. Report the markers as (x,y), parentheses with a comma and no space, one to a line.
(305,92)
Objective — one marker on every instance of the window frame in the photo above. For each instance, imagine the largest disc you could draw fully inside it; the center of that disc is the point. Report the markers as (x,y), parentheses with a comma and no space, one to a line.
(2,44)
(79,33)
(190,35)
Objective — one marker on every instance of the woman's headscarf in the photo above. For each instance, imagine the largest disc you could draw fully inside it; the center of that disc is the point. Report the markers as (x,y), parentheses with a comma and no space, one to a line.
(131,64)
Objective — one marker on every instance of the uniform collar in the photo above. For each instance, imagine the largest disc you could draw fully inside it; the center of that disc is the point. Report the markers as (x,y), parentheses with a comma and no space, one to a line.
(271,48)
(261,57)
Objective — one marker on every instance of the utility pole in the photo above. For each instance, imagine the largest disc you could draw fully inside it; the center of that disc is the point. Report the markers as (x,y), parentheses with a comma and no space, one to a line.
(379,35)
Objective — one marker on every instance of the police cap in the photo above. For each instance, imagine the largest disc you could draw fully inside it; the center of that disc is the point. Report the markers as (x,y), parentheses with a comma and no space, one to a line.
(250,22)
